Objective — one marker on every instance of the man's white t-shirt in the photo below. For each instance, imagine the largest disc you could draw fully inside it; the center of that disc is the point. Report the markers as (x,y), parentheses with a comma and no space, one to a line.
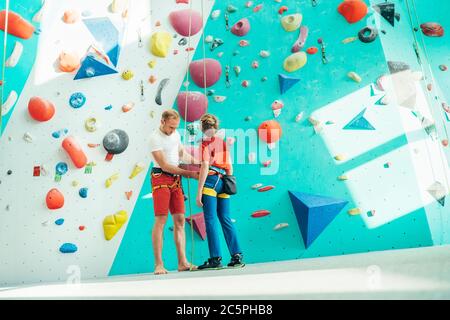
(169,145)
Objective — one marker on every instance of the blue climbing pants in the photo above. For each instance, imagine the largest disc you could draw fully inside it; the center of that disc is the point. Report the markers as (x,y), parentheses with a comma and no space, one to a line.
(216,206)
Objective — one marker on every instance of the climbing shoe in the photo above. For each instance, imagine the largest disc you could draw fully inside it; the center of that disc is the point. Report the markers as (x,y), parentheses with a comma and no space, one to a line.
(236,261)
(211,264)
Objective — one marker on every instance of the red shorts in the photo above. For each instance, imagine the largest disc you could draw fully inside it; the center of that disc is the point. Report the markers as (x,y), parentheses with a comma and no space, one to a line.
(165,199)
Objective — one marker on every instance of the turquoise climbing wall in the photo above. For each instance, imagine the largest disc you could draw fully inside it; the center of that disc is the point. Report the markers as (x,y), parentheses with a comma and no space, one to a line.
(305,162)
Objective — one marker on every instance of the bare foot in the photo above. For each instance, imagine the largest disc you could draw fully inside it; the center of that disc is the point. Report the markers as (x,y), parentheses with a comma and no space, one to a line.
(160,270)
(186,267)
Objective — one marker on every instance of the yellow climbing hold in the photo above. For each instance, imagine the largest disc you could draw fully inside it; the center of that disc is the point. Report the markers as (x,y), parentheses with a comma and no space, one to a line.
(127,74)
(339,157)
(295,61)
(313,121)
(110,180)
(138,167)
(74,183)
(113,223)
(348,40)
(160,43)
(342,178)
(292,22)
(354,211)
(151,63)
(354,76)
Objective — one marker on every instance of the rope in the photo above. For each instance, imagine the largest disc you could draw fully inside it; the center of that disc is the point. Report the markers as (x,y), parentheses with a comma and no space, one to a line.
(429,100)
(5,37)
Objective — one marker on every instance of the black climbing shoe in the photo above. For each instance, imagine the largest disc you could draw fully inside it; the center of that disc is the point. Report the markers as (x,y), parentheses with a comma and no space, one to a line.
(236,261)
(211,264)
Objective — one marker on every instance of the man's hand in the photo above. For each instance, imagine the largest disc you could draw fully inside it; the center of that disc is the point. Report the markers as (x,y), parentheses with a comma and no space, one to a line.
(194,175)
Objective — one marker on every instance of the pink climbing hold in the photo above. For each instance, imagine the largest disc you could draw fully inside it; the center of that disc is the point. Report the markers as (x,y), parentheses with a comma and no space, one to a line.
(182,1)
(209,67)
(193,103)
(180,22)
(301,40)
(241,28)
(244,43)
(257,8)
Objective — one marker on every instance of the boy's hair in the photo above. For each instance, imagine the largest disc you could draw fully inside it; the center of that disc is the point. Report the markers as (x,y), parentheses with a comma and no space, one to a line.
(209,121)
(170,114)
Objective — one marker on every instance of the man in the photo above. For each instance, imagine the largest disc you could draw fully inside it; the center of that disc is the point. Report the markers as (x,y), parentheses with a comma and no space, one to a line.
(167,150)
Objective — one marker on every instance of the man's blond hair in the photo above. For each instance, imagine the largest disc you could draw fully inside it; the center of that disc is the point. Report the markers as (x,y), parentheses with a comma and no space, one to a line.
(170,114)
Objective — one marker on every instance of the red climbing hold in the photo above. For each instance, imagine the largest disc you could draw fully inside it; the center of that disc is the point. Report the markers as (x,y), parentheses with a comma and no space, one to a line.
(432,29)
(41,109)
(266,188)
(260,213)
(269,131)
(81,228)
(353,10)
(54,199)
(312,50)
(17,26)
(282,10)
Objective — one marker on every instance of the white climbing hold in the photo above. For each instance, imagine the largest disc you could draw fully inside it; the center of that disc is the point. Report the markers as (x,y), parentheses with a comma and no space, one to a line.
(219,98)
(15,55)
(281,226)
(44,170)
(299,117)
(264,53)
(209,39)
(9,103)
(27,137)
(215,14)
(271,146)
(257,185)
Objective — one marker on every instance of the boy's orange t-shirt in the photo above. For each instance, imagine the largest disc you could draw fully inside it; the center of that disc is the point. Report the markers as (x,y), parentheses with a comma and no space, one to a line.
(215,151)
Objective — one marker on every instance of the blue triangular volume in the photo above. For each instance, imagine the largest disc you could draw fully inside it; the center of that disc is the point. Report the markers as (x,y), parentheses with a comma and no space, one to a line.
(372,91)
(91,67)
(359,123)
(286,82)
(314,213)
(107,35)
(379,101)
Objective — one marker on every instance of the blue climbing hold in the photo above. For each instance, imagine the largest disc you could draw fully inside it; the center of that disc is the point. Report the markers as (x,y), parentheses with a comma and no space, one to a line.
(68,248)
(59,222)
(314,213)
(359,123)
(61,168)
(83,192)
(77,100)
(108,107)
(286,82)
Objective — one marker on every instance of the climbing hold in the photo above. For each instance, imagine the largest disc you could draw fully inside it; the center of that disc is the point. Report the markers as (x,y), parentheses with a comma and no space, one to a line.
(277,104)
(138,168)
(212,69)
(199,226)
(295,61)
(260,213)
(209,39)
(161,86)
(192,105)
(264,53)
(59,222)
(291,22)
(9,103)
(387,165)
(115,142)
(280,226)
(342,178)
(182,42)
(354,211)
(9,172)
(127,75)
(151,63)
(127,107)
(77,100)
(432,29)
(113,223)
(299,117)
(71,16)
(443,67)
(83,192)
(160,43)
(68,248)
(445,142)
(152,79)
(237,70)
(215,14)
(242,43)
(438,192)
(15,55)
(81,228)
(111,179)
(264,79)
(359,122)
(54,199)
(269,131)
(128,194)
(367,34)
(41,109)
(68,62)
(257,8)
(257,186)
(354,76)
(301,40)
(266,188)
(248,118)
(231,8)
(245,83)
(241,28)
(60,170)
(74,151)
(219,98)
(282,9)
(314,213)
(215,44)
(387,11)
(339,157)
(75,183)
(349,40)
(371,213)
(17,26)
(353,10)
(36,171)
(90,124)
(312,50)
(186,21)
(286,82)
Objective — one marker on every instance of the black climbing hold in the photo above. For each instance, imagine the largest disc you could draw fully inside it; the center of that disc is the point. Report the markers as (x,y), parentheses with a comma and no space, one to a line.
(9,172)
(387,11)
(397,17)
(416,29)
(162,85)
(115,141)
(397,66)
(383,31)
(367,34)
(216,43)
(182,42)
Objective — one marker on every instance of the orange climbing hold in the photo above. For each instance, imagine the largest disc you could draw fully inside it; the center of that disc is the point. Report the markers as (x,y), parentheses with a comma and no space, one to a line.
(269,131)
(68,62)
(54,199)
(312,50)
(41,109)
(74,151)
(17,26)
(353,10)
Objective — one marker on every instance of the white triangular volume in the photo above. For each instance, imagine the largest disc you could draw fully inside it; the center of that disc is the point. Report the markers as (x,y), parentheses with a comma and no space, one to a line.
(147,196)
(438,191)
(9,103)
(15,55)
